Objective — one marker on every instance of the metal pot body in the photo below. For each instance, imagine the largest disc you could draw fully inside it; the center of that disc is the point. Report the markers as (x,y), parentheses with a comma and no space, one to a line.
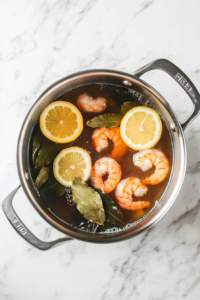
(141,90)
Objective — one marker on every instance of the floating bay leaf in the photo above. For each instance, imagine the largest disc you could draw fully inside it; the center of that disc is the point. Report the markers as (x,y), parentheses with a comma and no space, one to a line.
(107,120)
(119,94)
(48,151)
(36,144)
(51,190)
(126,107)
(42,177)
(88,202)
(113,215)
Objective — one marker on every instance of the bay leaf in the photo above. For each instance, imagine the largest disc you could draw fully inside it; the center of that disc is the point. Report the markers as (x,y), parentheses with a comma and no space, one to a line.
(113,215)
(88,202)
(119,94)
(107,120)
(48,151)
(51,190)
(126,107)
(36,144)
(42,177)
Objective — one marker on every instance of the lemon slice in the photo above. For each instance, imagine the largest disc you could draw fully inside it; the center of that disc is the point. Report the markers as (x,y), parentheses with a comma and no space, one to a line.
(61,122)
(141,128)
(70,163)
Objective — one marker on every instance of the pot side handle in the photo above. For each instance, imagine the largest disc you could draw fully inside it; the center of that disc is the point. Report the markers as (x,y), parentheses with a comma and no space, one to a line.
(21,228)
(181,78)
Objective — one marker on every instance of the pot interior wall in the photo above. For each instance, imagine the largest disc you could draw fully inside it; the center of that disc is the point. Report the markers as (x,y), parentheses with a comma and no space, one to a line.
(142,89)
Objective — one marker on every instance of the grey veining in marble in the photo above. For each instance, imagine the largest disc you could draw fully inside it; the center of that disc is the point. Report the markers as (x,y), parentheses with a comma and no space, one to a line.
(42,41)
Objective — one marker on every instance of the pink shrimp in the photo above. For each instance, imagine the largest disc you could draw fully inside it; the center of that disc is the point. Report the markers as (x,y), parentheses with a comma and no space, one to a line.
(103,166)
(100,141)
(146,159)
(124,192)
(88,104)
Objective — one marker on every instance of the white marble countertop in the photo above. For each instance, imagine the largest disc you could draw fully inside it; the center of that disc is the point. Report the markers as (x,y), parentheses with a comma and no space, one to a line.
(42,41)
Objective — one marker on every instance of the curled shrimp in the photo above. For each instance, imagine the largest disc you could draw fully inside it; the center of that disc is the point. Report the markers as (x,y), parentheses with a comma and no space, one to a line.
(100,141)
(128,187)
(103,166)
(146,159)
(88,104)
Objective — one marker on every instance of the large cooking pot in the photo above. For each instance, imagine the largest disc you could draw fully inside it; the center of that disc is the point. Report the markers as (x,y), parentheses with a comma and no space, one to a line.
(141,89)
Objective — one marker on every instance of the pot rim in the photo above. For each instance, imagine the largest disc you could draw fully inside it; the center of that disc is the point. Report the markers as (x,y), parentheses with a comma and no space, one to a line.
(102,237)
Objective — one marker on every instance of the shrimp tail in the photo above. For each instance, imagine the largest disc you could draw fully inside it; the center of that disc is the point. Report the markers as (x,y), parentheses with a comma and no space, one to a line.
(136,205)
(153,179)
(118,152)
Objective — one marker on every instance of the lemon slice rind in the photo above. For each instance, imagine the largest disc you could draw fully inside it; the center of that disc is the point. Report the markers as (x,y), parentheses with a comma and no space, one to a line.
(57,139)
(86,172)
(123,128)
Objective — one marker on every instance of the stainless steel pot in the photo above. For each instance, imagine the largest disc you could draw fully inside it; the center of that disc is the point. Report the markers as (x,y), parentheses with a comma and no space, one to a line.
(141,89)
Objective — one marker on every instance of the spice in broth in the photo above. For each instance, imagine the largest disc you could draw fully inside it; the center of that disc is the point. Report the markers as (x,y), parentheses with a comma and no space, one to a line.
(60,199)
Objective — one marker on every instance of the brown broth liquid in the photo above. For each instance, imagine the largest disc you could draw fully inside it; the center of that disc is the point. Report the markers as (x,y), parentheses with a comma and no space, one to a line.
(68,212)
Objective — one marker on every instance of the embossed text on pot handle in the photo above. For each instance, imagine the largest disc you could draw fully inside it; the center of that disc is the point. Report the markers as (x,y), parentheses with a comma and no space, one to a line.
(181,78)
(21,228)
